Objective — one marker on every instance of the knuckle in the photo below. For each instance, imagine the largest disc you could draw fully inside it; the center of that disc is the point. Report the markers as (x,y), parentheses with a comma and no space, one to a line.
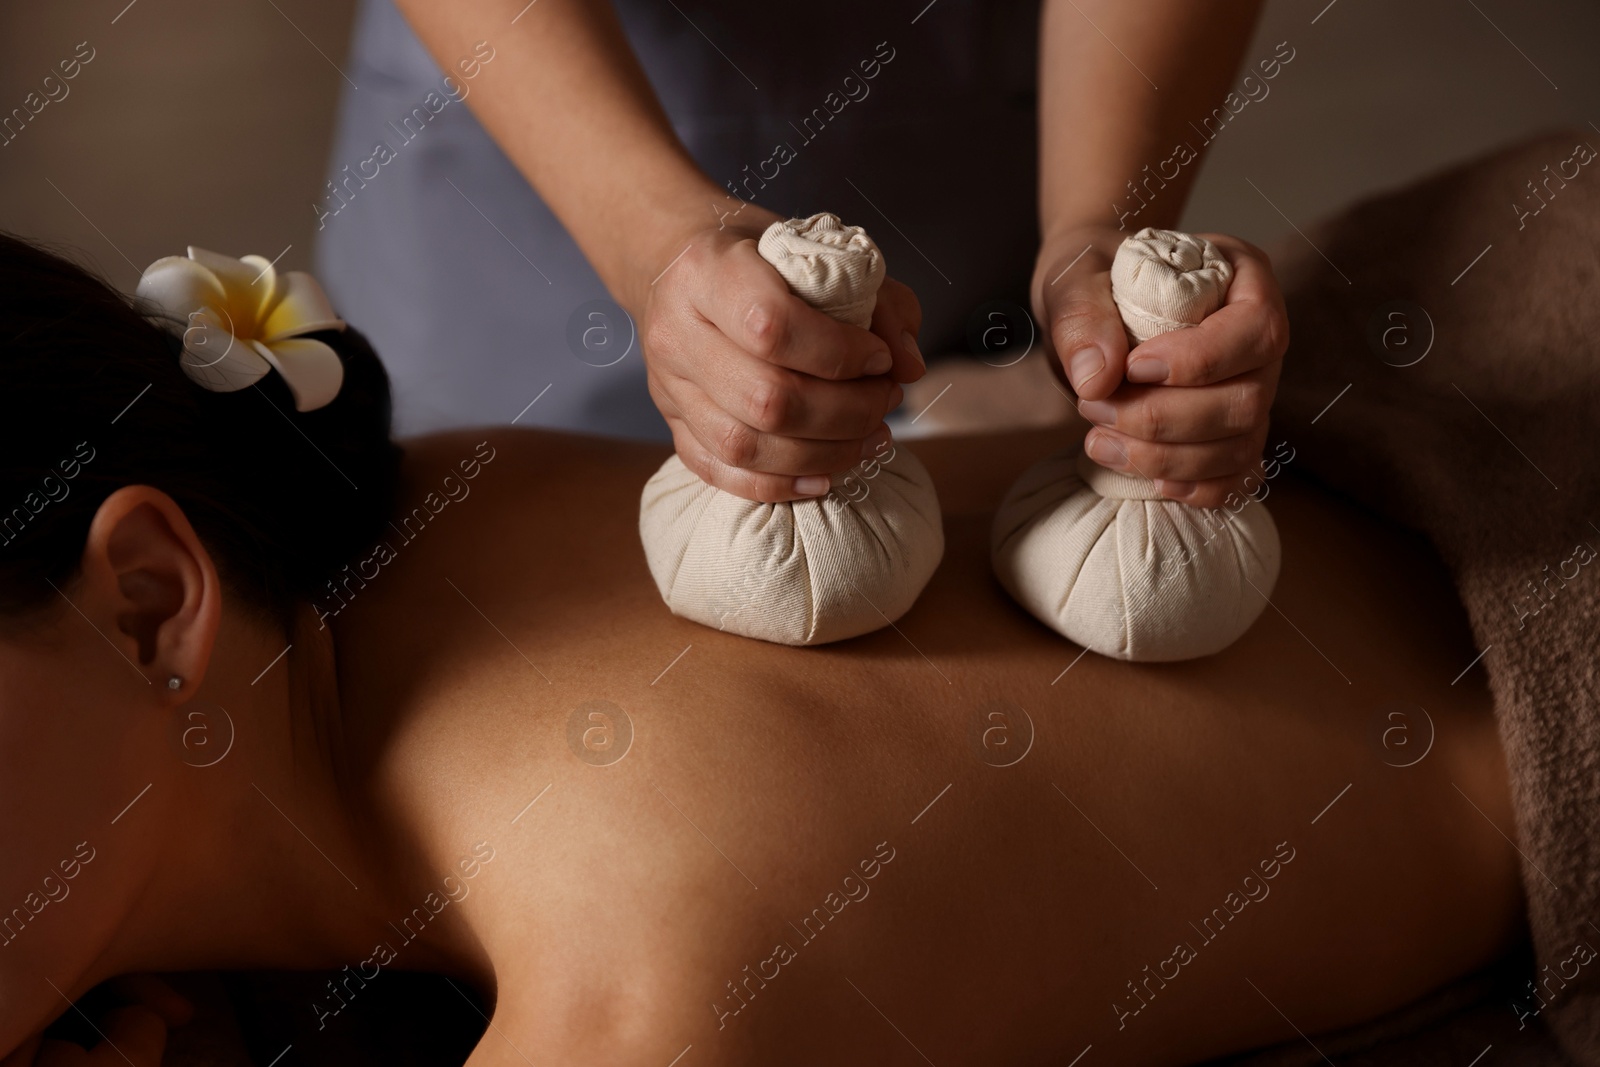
(765,488)
(771,404)
(694,456)
(737,445)
(1273,335)
(656,335)
(1148,420)
(1278,332)
(766,325)
(1157,461)
(842,364)
(1138,457)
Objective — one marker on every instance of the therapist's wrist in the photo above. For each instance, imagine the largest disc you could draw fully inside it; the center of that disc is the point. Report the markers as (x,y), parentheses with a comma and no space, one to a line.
(1068,225)
(1083,246)
(706,215)
(1097,228)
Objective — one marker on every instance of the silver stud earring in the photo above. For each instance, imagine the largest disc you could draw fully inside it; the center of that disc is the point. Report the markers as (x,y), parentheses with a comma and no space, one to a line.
(174,682)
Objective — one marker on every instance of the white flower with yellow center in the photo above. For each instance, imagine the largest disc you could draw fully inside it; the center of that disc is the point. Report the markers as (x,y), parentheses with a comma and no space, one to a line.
(243,319)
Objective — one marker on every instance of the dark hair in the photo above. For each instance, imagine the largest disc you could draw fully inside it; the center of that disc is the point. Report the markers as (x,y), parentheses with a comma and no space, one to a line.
(92,398)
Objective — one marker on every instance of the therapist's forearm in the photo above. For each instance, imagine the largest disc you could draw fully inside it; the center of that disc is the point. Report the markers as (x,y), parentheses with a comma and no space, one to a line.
(1120,81)
(570,106)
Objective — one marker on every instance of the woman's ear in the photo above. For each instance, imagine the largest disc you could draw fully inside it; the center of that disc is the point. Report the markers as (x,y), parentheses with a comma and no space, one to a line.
(145,568)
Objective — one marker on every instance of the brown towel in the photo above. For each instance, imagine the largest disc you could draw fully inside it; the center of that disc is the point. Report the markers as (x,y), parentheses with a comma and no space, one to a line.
(1486,280)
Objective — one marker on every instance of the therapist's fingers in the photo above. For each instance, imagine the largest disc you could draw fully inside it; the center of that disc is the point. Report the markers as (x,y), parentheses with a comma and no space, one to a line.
(1230,457)
(738,444)
(1248,333)
(750,303)
(1082,320)
(774,400)
(766,396)
(1198,413)
(897,318)
(769,488)
(750,485)
(735,444)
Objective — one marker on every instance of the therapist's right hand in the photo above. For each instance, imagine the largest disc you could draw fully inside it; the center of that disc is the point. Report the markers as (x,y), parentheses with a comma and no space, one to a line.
(766,396)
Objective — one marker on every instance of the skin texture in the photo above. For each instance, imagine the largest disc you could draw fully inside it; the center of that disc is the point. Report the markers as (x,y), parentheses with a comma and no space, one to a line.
(765,396)
(617,898)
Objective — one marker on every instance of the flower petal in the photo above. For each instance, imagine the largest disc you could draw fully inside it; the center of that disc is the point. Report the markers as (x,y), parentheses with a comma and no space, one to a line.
(312,370)
(247,285)
(232,273)
(302,307)
(265,284)
(179,286)
(215,359)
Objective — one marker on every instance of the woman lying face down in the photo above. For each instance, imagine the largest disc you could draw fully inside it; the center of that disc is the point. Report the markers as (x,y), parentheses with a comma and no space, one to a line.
(272,696)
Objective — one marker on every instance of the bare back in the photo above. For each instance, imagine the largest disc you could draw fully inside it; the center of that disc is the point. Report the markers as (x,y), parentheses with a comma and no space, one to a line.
(955,840)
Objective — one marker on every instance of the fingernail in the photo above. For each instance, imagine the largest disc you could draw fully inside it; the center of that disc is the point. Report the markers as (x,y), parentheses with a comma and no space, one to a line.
(1084,365)
(811,485)
(880,362)
(1175,490)
(876,443)
(896,395)
(909,343)
(1105,452)
(1145,371)
(1099,412)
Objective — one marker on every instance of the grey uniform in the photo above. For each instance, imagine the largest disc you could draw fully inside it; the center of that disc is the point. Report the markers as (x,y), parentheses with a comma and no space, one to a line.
(432,243)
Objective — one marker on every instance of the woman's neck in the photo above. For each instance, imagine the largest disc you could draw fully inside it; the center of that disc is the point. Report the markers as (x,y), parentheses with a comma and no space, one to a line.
(268,858)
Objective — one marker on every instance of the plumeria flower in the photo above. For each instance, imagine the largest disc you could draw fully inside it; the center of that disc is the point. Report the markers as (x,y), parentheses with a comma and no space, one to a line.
(243,319)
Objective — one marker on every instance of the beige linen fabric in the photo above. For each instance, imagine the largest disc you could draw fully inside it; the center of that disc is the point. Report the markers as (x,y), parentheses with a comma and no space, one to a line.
(1099,556)
(810,571)
(833,267)
(1163,280)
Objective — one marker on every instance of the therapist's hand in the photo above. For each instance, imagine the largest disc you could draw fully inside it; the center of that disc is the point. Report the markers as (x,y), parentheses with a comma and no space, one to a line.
(1189,408)
(766,396)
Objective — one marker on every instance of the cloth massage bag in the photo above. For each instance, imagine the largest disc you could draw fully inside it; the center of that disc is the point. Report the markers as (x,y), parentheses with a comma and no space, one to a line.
(1100,556)
(810,571)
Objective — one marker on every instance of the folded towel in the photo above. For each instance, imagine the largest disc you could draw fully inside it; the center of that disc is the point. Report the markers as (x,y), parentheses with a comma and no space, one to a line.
(1445,370)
